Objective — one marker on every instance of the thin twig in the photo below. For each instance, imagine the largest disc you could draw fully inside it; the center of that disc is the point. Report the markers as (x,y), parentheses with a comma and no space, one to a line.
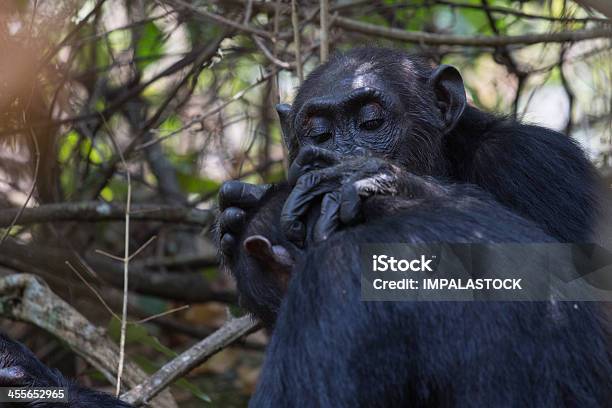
(95,292)
(269,55)
(162,314)
(296,40)
(231,331)
(211,112)
(109,255)
(324,30)
(199,12)
(32,188)
(126,261)
(421,37)
(115,315)
(142,247)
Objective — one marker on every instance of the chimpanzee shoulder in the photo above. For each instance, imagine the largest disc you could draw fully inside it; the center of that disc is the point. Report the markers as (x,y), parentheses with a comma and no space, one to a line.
(540,173)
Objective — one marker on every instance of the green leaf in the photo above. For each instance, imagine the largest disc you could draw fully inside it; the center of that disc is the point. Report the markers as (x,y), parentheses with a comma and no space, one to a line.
(103,58)
(193,389)
(107,194)
(149,46)
(197,185)
(210,273)
(172,124)
(67,146)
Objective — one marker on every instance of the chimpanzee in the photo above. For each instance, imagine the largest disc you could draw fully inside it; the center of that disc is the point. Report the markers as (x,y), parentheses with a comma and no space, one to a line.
(388,103)
(19,367)
(330,349)
(398,119)
(394,114)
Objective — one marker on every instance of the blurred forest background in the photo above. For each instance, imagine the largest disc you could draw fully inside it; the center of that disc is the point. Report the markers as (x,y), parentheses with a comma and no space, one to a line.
(148,106)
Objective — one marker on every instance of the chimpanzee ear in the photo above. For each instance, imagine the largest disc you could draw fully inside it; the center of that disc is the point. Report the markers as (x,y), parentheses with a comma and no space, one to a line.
(284,114)
(450,94)
(274,258)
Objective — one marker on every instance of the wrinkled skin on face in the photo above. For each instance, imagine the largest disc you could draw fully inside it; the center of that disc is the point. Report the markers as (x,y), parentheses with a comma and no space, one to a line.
(397,110)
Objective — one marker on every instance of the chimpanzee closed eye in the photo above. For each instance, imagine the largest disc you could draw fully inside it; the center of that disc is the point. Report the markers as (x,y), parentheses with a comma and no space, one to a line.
(371,116)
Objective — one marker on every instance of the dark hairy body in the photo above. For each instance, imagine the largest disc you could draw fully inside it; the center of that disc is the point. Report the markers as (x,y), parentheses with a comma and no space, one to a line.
(331,349)
(366,133)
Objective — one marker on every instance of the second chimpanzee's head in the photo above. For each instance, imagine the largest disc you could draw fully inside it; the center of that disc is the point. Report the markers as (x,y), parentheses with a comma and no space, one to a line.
(380,100)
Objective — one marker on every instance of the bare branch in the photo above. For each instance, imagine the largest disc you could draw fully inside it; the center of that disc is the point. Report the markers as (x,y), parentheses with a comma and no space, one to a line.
(324,30)
(603,6)
(199,12)
(422,37)
(27,299)
(97,211)
(231,331)
(297,40)
(183,287)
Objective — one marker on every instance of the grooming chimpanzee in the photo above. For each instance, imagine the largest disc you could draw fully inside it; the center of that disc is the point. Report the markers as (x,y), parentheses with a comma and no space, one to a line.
(397,118)
(330,349)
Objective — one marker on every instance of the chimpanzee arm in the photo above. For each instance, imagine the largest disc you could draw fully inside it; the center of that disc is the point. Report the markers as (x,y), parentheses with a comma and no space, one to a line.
(259,266)
(540,173)
(19,367)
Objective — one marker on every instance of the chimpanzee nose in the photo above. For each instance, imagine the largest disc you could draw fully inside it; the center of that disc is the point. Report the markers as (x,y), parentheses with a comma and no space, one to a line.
(352,150)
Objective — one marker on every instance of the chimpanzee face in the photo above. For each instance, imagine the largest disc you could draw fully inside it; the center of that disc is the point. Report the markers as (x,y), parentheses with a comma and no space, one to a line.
(387,104)
(353,118)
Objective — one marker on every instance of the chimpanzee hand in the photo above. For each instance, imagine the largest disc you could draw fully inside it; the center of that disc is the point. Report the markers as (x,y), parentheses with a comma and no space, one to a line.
(236,199)
(341,182)
(19,367)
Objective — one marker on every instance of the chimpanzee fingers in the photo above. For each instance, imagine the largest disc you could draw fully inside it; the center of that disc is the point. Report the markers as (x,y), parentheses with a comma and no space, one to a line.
(308,159)
(238,194)
(350,204)
(228,244)
(328,221)
(233,220)
(308,188)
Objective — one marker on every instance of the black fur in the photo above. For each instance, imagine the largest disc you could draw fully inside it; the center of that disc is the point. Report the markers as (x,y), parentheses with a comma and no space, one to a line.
(330,349)
(36,374)
(538,172)
(259,291)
